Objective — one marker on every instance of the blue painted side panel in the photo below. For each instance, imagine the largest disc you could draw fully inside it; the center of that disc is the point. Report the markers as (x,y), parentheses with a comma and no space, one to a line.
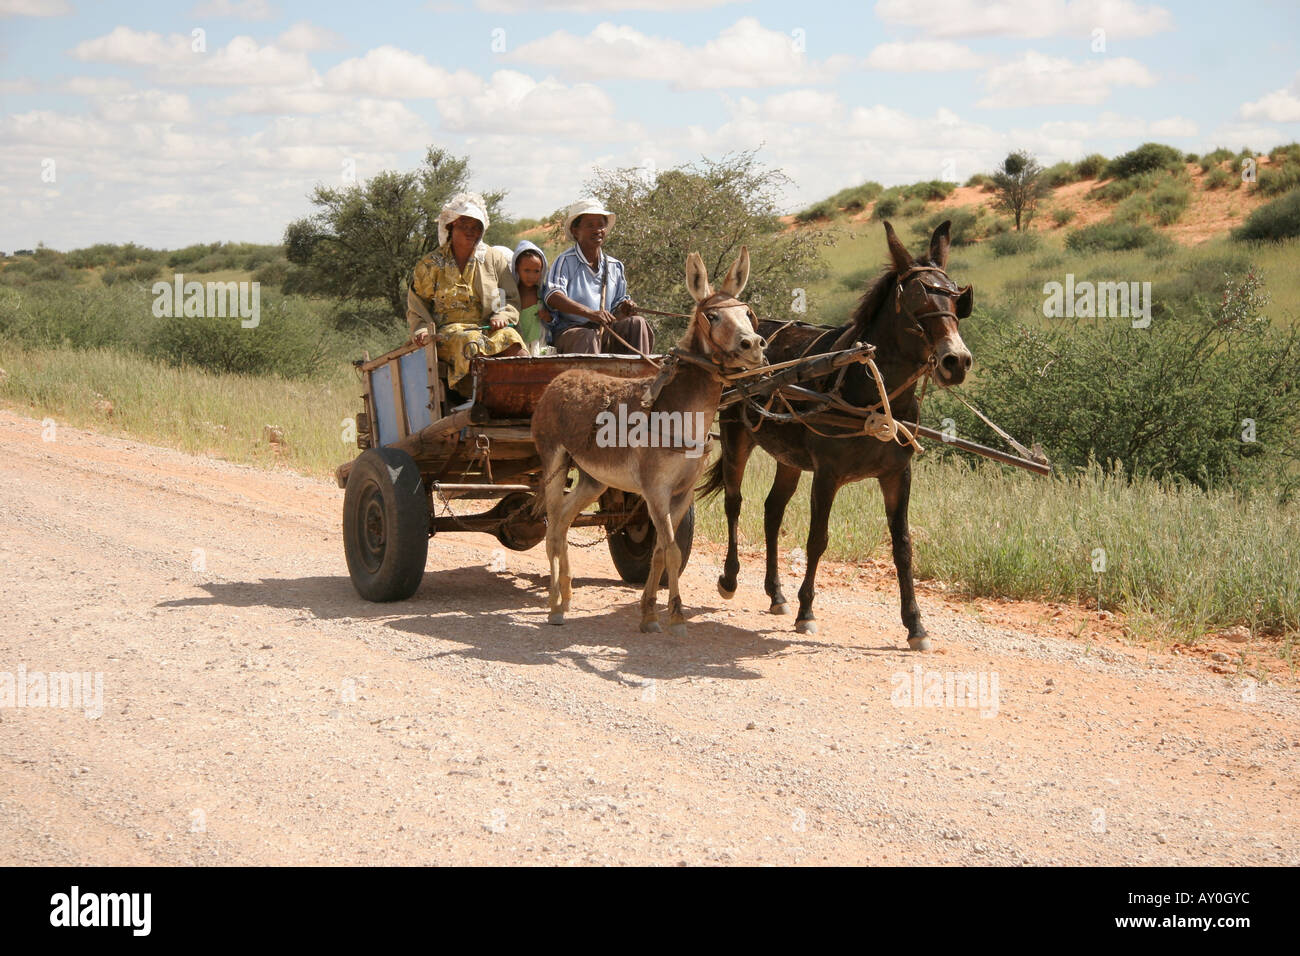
(415,390)
(381,393)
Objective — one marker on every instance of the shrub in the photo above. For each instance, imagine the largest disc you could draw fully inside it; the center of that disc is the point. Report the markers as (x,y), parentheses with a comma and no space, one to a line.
(929,191)
(1218,178)
(1191,158)
(289,341)
(1062,214)
(60,314)
(1110,236)
(1147,158)
(855,198)
(1173,397)
(1014,243)
(1061,174)
(1273,181)
(1289,153)
(1215,158)
(913,206)
(818,211)
(982,180)
(887,205)
(965,228)
(273,273)
(143,271)
(1164,203)
(107,254)
(1279,219)
(1091,166)
(1200,282)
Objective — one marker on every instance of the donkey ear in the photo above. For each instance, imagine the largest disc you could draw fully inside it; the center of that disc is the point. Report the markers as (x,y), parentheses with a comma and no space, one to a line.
(902,259)
(965,302)
(697,278)
(939,244)
(738,274)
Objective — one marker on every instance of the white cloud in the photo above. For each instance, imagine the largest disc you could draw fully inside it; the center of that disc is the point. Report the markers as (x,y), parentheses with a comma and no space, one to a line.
(745,54)
(1243,135)
(34,8)
(21,85)
(1026,18)
(239,9)
(174,62)
(1038,80)
(306,36)
(1279,106)
(514,102)
(390,71)
(923,56)
(802,106)
(146,106)
(97,85)
(593,6)
(310,97)
(1173,126)
(380,124)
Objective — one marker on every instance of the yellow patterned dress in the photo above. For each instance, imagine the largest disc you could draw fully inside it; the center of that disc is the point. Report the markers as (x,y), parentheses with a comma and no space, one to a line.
(458,310)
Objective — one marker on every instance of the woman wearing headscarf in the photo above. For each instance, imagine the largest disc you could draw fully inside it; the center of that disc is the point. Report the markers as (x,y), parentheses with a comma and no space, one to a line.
(465,290)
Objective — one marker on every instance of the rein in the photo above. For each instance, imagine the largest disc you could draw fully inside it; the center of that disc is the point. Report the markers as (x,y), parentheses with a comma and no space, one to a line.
(678,355)
(878,418)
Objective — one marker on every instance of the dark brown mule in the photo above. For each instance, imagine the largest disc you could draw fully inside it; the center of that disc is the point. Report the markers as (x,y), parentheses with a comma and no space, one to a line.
(571,424)
(910,314)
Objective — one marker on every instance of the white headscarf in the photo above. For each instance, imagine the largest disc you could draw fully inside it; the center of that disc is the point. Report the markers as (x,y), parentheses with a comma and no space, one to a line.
(461,204)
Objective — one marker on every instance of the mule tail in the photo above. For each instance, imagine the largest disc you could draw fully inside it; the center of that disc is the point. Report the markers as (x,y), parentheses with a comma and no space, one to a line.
(713,477)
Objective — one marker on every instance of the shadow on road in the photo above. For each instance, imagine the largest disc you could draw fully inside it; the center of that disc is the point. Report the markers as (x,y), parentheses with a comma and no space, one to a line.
(501,616)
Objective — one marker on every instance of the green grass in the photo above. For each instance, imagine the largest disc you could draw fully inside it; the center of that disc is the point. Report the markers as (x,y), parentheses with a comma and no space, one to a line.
(200,412)
(994,531)
(1015,282)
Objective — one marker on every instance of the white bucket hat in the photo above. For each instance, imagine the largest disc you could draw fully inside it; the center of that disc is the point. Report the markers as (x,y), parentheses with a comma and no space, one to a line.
(461,204)
(587,206)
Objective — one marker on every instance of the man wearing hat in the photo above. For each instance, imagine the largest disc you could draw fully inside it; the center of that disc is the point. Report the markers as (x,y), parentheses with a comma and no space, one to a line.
(586,290)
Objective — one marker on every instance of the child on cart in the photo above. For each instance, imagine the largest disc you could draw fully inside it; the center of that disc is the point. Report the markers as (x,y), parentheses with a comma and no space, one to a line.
(529,268)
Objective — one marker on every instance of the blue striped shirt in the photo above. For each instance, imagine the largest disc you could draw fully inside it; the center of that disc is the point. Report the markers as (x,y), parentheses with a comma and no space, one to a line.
(571,274)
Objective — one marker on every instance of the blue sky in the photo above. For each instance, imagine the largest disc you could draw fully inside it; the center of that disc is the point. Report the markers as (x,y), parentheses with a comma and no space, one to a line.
(118,121)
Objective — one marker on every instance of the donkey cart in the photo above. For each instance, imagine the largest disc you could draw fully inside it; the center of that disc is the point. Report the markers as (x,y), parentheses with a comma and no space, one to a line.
(420,452)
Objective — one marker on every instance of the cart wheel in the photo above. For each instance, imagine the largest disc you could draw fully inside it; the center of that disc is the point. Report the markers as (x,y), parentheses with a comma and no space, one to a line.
(385,525)
(633,546)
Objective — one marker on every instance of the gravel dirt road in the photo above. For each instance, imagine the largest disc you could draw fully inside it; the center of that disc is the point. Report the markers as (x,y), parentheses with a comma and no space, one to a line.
(255,710)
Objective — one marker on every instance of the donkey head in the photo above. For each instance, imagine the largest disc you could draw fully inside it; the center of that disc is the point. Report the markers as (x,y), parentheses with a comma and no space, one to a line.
(722,327)
(930,305)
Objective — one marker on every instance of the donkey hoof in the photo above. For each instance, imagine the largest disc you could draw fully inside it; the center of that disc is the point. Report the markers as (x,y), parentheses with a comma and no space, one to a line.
(919,643)
(806,627)
(722,589)
(677,630)
(651,627)
(555,617)
(779,608)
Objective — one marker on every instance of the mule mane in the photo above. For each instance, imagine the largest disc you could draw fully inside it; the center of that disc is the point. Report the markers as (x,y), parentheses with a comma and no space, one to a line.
(881,287)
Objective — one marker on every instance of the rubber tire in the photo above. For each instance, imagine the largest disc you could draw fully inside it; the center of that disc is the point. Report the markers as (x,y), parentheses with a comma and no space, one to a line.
(385,559)
(633,560)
